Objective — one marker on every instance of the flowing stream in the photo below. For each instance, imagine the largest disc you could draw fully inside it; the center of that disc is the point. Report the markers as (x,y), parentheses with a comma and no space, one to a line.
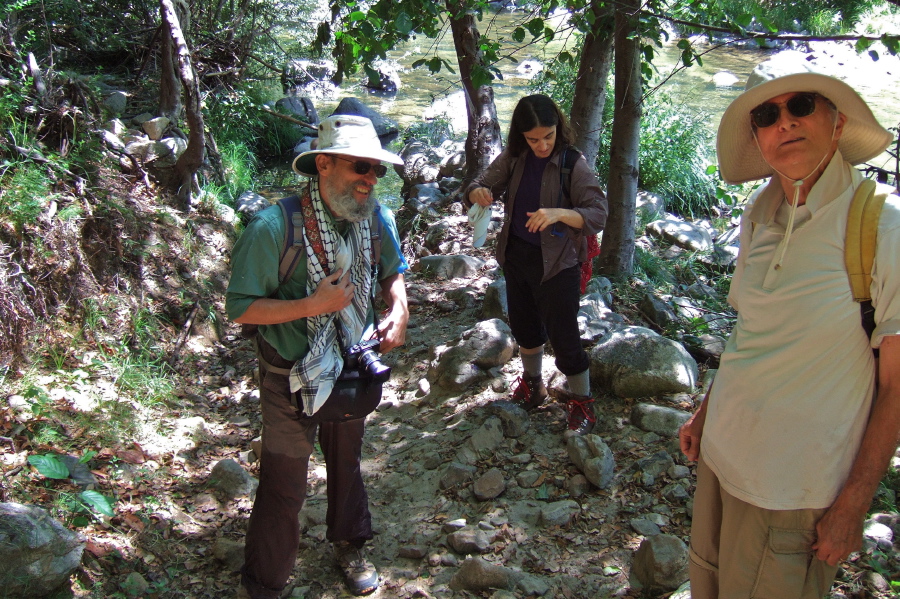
(425,95)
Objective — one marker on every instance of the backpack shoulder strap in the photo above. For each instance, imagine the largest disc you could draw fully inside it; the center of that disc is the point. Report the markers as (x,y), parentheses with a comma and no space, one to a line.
(293,237)
(375,230)
(861,237)
(570,156)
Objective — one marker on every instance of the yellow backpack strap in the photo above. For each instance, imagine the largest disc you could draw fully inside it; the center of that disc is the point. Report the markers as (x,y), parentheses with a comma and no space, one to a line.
(861,237)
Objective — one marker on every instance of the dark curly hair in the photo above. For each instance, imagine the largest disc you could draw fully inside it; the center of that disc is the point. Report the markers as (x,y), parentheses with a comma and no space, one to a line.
(533,111)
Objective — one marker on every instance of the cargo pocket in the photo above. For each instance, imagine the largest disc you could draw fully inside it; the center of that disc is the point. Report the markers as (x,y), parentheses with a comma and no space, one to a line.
(785,563)
(704,577)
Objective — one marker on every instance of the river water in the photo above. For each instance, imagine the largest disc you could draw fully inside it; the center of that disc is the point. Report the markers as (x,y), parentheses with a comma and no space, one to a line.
(423,94)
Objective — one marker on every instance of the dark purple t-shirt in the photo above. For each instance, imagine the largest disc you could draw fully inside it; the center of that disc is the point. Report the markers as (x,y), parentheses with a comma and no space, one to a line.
(528,197)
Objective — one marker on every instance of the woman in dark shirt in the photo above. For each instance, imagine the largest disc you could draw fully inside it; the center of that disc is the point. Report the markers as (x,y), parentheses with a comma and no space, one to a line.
(541,247)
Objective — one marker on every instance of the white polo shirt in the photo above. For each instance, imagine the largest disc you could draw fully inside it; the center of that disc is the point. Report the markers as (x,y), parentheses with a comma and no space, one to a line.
(792,395)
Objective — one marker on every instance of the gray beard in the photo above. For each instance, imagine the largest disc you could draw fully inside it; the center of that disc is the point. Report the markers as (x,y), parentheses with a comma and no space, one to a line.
(345,207)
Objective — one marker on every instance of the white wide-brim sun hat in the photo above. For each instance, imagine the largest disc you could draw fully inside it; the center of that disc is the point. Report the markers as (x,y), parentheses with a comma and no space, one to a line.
(739,157)
(345,134)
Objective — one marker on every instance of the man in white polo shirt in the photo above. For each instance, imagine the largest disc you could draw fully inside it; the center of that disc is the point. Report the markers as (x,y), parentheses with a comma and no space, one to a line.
(796,434)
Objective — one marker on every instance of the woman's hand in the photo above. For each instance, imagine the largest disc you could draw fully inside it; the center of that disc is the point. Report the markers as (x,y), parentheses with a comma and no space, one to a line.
(481,196)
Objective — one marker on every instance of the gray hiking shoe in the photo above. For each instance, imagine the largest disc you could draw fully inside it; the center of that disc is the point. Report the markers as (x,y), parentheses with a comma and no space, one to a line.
(359,573)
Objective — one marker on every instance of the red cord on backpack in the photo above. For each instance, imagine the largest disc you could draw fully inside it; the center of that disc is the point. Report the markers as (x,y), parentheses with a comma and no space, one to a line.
(587,267)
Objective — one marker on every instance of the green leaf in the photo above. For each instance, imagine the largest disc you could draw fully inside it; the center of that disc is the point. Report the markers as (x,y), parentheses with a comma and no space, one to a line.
(49,466)
(403,23)
(87,457)
(862,44)
(535,26)
(683,44)
(356,15)
(434,64)
(97,501)
(743,20)
(873,54)
(518,34)
(711,169)
(418,63)
(480,76)
(549,34)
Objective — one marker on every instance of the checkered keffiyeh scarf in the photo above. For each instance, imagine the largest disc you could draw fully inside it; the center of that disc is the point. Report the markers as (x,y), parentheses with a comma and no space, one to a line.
(314,376)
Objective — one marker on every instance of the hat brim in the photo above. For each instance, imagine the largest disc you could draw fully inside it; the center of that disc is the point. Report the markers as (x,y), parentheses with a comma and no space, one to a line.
(739,157)
(305,164)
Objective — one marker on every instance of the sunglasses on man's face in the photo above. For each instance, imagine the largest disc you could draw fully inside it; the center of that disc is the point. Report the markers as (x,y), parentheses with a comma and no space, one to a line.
(768,113)
(361,167)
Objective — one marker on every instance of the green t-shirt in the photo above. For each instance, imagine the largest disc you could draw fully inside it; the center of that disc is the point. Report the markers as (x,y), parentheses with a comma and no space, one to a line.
(254,275)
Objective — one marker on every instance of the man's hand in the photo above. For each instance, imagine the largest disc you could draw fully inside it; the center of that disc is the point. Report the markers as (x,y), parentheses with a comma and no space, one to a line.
(839,533)
(334,293)
(392,332)
(481,196)
(691,431)
(392,328)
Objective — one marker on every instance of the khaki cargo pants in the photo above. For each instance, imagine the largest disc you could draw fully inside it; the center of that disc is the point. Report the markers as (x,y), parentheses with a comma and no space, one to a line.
(740,551)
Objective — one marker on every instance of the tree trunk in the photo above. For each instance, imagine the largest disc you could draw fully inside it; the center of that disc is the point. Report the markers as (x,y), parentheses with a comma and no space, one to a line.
(617,250)
(483,142)
(590,87)
(189,162)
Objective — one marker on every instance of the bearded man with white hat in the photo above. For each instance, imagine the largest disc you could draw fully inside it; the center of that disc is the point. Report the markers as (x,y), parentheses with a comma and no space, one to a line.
(306,324)
(801,421)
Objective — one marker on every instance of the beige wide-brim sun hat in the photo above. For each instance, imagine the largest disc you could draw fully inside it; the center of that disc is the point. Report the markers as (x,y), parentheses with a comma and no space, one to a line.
(739,157)
(345,134)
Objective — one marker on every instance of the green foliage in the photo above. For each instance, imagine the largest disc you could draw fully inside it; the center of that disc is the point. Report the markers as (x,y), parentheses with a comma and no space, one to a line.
(818,17)
(50,466)
(237,118)
(675,146)
(24,191)
(433,131)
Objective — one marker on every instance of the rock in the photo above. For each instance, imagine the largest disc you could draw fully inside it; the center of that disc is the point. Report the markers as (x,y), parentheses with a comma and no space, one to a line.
(231,480)
(514,420)
(533,586)
(251,202)
(412,552)
(135,585)
(469,541)
(386,129)
(661,420)
(878,534)
(559,513)
(449,267)
(657,311)
(645,527)
(653,466)
(299,107)
(456,474)
(660,563)
(483,442)
(636,362)
(490,485)
(154,128)
(578,485)
(682,233)
(494,304)
(37,553)
(476,575)
(116,102)
(593,458)
(649,206)
(230,553)
(527,479)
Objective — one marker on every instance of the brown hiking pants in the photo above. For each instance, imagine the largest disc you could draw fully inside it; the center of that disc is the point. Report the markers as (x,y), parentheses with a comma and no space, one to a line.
(273,532)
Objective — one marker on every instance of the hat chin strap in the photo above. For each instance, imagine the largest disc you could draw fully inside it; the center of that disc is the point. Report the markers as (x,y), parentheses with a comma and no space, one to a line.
(798,183)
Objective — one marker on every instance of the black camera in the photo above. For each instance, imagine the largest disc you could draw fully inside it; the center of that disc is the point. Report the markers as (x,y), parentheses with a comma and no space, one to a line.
(364,357)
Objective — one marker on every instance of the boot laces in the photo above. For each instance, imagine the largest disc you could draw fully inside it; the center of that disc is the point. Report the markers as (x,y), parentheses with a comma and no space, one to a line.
(522,391)
(580,408)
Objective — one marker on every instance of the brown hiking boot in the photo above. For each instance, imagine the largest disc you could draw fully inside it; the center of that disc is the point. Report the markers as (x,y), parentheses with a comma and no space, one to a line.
(359,573)
(529,393)
(581,418)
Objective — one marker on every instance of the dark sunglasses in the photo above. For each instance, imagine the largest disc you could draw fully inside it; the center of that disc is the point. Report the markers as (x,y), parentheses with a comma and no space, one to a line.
(361,167)
(768,113)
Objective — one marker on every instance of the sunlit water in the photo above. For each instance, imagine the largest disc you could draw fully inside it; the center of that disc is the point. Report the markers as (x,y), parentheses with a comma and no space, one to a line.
(424,95)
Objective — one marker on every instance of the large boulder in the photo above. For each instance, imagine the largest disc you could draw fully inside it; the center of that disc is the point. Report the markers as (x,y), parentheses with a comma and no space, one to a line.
(386,128)
(37,553)
(636,362)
